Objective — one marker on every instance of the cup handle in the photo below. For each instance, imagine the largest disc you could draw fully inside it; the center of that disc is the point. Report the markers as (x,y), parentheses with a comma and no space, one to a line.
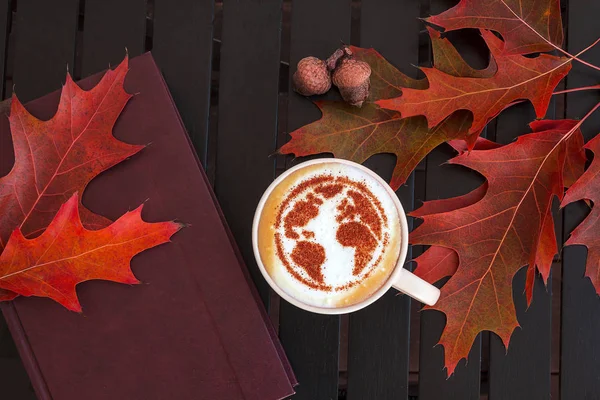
(410,284)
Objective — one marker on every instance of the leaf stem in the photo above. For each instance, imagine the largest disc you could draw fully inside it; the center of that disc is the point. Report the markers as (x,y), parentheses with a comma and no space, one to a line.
(575,57)
(578,125)
(579,89)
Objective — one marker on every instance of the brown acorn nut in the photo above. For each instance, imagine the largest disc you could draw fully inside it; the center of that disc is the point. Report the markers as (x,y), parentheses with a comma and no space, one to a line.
(353,79)
(312,77)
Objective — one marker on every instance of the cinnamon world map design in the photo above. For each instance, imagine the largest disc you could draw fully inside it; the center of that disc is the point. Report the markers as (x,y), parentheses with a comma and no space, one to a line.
(359,221)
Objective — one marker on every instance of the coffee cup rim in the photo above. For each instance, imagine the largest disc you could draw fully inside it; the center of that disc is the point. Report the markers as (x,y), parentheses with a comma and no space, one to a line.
(332,310)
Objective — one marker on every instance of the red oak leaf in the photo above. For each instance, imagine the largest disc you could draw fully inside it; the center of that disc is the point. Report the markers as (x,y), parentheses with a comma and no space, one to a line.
(480,144)
(517,78)
(496,236)
(586,233)
(67,254)
(526,26)
(454,203)
(575,161)
(573,168)
(436,263)
(58,157)
(439,262)
(545,252)
(358,133)
(386,80)
(447,59)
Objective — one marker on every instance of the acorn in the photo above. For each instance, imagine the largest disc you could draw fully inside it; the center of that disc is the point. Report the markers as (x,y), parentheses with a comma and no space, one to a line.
(312,77)
(353,79)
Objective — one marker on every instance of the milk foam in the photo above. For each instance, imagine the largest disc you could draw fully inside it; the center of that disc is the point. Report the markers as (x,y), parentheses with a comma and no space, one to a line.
(346,288)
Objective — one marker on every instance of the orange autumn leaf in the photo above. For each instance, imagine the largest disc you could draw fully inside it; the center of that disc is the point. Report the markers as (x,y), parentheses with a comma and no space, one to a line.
(517,78)
(496,236)
(526,26)
(58,157)
(67,254)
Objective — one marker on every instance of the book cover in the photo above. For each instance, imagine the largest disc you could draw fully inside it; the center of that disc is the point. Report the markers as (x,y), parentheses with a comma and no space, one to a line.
(194,328)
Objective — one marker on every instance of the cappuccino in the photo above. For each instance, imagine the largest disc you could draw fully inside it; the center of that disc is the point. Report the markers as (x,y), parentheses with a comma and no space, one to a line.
(329,235)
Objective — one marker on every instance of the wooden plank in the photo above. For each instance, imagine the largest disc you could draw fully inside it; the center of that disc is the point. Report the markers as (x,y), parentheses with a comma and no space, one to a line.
(15,383)
(524,371)
(580,356)
(13,377)
(312,341)
(45,45)
(379,335)
(443,182)
(5,16)
(248,96)
(182,47)
(110,27)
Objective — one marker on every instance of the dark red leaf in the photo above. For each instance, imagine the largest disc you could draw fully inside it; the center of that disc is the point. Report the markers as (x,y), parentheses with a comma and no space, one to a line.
(517,78)
(526,26)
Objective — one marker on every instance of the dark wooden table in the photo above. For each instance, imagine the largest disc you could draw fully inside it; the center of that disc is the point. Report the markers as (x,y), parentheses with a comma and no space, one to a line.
(228,67)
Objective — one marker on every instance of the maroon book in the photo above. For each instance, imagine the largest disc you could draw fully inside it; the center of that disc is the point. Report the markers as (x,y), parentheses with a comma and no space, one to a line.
(194,328)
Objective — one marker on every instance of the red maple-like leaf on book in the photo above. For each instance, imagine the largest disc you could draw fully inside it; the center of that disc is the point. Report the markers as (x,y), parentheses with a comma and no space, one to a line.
(55,159)
(66,254)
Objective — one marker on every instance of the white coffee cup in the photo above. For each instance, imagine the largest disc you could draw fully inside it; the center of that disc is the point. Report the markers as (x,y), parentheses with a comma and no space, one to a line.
(400,279)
